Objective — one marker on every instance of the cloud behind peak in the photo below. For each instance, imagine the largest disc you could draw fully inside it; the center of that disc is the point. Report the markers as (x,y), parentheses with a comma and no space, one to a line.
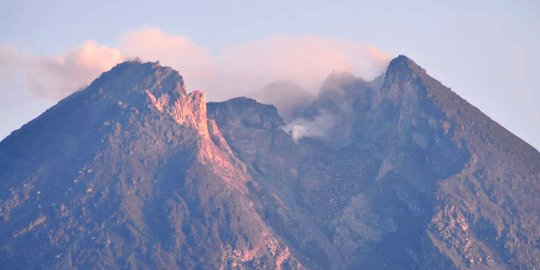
(236,70)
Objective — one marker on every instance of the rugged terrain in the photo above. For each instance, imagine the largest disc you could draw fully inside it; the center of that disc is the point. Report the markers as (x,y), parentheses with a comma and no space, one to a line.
(396,173)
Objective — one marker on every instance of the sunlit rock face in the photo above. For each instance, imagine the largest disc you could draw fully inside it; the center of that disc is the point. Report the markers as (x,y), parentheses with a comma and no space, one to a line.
(396,173)
(128,174)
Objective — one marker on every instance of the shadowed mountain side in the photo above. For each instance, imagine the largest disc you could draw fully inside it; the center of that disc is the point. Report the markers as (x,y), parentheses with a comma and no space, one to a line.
(416,178)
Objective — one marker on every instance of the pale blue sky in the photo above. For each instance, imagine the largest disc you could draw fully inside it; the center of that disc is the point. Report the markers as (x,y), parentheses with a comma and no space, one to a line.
(486,51)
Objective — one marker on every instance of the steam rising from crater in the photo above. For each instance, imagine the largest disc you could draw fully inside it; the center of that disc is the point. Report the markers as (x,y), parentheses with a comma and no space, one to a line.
(317,127)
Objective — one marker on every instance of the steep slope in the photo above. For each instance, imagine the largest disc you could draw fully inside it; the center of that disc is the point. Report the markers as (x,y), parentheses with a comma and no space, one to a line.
(398,173)
(414,178)
(129,173)
(487,214)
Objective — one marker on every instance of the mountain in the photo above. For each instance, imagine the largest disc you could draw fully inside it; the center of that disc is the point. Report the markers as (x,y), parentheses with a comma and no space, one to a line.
(129,173)
(397,173)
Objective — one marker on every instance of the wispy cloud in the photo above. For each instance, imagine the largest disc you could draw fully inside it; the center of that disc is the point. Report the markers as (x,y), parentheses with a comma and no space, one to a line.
(236,70)
(151,44)
(54,77)
(303,60)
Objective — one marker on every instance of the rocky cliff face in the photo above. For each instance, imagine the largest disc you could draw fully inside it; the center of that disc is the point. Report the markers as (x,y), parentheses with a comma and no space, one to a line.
(129,173)
(398,173)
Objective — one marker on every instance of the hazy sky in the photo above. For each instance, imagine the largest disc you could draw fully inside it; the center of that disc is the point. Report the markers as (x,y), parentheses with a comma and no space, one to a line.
(486,51)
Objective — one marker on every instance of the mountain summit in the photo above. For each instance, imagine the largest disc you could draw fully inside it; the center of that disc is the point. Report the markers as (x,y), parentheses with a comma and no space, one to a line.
(135,172)
(129,173)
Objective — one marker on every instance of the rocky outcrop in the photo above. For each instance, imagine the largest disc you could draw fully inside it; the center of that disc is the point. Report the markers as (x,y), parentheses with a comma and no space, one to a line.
(129,173)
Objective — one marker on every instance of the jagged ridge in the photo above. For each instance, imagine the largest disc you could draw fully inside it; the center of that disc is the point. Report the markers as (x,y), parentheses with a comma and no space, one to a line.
(134,172)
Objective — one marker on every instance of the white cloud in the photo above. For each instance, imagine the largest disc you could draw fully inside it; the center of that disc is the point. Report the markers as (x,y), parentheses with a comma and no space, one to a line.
(151,44)
(303,60)
(54,77)
(236,70)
